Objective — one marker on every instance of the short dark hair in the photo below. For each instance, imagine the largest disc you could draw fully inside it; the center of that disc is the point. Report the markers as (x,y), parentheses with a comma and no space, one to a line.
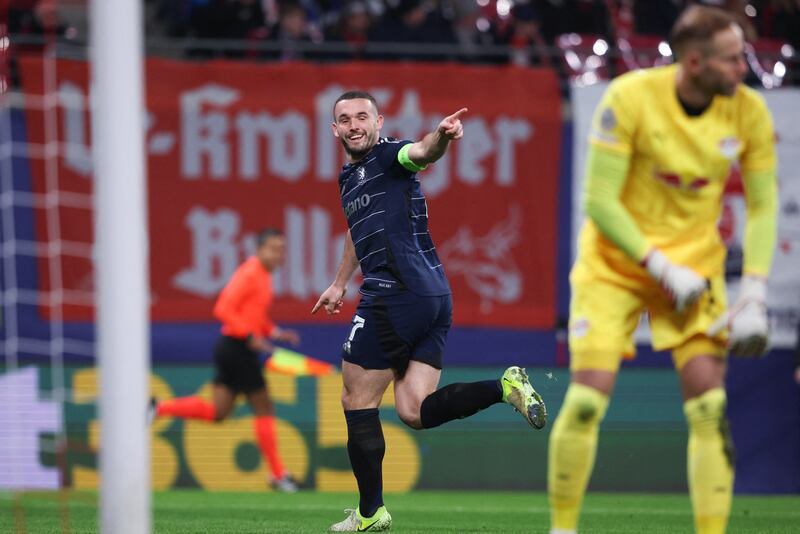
(352,95)
(267,233)
(698,25)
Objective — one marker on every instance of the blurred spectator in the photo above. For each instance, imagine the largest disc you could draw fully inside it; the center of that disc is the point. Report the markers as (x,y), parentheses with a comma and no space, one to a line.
(352,29)
(222,19)
(413,22)
(293,34)
(782,21)
(656,17)
(528,47)
(573,16)
(226,19)
(39,17)
(175,15)
(474,33)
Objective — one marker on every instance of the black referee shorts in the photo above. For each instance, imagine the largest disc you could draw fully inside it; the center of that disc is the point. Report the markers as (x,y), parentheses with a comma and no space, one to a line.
(237,367)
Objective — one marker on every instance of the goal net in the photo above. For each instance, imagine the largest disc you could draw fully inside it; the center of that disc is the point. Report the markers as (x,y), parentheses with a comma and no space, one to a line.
(47,282)
(67,298)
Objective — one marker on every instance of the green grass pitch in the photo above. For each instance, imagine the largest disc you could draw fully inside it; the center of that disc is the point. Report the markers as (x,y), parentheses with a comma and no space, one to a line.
(197,512)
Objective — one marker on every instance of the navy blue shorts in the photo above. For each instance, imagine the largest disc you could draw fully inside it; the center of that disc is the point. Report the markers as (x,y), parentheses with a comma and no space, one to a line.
(389,331)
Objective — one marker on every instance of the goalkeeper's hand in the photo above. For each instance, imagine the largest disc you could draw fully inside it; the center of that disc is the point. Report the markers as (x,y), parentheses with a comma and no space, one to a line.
(747,319)
(682,285)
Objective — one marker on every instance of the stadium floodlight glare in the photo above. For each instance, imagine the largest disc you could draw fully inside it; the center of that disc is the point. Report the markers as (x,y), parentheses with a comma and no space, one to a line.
(600,47)
(121,268)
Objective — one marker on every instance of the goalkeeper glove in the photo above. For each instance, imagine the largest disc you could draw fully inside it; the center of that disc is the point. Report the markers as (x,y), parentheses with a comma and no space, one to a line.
(682,285)
(747,319)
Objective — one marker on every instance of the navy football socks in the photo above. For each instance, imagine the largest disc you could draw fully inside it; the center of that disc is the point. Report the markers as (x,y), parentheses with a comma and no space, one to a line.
(459,400)
(366,447)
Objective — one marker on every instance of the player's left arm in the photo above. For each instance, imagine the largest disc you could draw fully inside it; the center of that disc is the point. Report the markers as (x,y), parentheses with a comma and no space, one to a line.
(749,326)
(416,156)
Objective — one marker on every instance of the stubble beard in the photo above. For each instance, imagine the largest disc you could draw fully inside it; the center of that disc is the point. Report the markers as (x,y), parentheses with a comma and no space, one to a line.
(355,155)
(718,87)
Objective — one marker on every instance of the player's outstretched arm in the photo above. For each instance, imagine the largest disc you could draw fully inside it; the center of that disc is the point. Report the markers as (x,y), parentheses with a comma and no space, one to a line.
(434,145)
(332,297)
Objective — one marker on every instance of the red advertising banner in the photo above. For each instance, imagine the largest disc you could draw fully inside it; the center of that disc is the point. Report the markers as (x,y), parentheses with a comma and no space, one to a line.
(234,147)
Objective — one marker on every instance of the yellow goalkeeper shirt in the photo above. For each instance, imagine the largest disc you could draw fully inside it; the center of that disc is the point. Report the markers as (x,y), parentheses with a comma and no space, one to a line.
(655,177)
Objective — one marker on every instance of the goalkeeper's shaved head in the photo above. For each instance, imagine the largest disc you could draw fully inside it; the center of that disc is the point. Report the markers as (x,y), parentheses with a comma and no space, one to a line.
(709,46)
(696,28)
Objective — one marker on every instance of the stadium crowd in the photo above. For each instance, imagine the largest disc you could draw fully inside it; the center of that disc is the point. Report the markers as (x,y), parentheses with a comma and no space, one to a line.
(279,29)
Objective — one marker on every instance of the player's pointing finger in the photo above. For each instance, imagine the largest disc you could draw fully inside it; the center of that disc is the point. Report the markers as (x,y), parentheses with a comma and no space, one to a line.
(457,115)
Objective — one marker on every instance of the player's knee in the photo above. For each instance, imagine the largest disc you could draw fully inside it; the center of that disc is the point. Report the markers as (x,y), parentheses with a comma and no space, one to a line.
(408,410)
(707,409)
(348,400)
(353,400)
(410,418)
(583,407)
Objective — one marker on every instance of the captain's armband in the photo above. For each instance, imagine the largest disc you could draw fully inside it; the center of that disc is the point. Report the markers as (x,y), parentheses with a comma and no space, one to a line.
(405,161)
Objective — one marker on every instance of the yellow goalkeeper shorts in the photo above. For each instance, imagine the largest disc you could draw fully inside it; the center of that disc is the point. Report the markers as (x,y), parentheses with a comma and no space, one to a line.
(604,316)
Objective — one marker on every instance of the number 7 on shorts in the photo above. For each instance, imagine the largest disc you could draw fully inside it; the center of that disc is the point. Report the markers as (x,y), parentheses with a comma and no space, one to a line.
(358,322)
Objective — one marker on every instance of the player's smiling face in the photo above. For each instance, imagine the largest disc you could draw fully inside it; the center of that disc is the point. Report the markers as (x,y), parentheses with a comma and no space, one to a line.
(357,124)
(723,68)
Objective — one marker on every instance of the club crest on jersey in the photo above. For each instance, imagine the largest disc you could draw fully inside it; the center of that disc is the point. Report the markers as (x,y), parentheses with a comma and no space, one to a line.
(608,121)
(579,327)
(674,180)
(361,174)
(729,147)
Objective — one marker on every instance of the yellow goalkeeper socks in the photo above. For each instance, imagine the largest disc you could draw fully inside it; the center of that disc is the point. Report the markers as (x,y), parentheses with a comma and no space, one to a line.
(710,461)
(573,444)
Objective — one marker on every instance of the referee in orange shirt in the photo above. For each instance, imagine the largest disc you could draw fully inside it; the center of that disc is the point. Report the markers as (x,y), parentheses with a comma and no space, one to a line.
(247,331)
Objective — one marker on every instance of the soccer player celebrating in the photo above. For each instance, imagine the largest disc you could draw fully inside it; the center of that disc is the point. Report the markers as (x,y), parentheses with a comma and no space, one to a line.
(243,308)
(662,144)
(399,329)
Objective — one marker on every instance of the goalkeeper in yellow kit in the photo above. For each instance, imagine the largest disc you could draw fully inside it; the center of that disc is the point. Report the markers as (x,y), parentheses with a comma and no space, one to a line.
(662,144)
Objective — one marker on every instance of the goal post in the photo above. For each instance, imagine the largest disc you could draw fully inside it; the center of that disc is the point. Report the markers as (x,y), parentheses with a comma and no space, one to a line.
(121,266)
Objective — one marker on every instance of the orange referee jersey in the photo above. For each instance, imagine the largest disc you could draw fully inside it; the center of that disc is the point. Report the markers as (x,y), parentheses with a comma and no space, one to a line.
(243,306)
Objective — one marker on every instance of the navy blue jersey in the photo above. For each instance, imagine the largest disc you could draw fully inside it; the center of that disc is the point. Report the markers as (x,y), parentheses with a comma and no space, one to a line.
(388,220)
